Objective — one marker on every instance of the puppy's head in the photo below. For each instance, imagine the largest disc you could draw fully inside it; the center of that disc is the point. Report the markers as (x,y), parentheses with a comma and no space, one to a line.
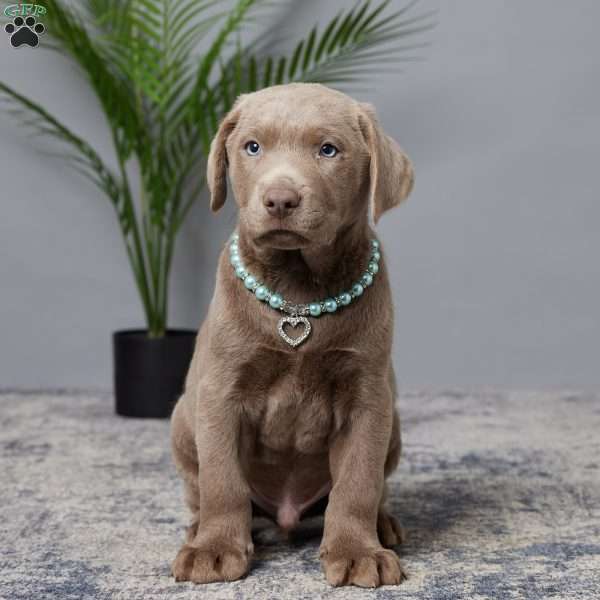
(305,161)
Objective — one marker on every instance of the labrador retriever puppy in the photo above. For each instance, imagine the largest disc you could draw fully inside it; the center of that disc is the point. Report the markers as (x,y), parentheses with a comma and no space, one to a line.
(284,408)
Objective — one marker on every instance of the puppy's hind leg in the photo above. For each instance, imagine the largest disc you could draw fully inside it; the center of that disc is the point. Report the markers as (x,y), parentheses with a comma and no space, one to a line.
(186,462)
(389,530)
(191,492)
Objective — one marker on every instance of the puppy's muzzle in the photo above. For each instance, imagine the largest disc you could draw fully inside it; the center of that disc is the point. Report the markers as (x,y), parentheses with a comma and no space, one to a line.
(281,202)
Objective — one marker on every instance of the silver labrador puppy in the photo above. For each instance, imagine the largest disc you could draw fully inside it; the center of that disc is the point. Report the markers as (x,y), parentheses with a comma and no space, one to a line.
(285,408)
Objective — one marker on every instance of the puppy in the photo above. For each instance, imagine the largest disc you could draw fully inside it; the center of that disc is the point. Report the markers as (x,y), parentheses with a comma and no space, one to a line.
(283,409)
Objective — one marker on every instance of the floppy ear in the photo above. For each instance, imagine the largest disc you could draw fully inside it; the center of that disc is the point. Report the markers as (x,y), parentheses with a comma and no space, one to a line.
(390,171)
(216,167)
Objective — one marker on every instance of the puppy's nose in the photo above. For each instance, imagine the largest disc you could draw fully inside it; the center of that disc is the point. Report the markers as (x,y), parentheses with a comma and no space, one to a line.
(280,202)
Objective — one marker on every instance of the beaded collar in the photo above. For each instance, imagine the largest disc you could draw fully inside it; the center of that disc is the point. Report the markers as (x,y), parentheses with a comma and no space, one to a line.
(298,313)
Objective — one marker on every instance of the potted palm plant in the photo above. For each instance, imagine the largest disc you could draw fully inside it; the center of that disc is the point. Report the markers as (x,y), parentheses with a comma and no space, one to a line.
(163,101)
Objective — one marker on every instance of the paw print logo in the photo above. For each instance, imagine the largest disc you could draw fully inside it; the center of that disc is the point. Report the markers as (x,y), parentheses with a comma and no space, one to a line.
(24,31)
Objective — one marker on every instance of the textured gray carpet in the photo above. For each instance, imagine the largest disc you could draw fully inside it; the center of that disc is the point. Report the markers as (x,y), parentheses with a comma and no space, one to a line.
(499,493)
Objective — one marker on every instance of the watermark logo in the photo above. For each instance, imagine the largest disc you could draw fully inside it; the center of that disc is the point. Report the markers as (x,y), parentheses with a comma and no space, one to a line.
(25,29)
(24,10)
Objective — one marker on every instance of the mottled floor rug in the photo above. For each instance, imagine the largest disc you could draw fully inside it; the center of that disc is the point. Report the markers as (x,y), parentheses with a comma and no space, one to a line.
(499,494)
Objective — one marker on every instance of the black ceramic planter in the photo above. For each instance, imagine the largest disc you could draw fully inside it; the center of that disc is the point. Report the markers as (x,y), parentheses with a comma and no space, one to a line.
(150,372)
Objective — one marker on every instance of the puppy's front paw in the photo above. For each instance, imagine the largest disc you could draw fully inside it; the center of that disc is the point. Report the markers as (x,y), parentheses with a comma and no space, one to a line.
(215,560)
(356,564)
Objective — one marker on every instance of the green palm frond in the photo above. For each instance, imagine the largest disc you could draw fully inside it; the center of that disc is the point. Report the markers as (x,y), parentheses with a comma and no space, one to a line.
(163,102)
(87,159)
(352,46)
(87,162)
(112,91)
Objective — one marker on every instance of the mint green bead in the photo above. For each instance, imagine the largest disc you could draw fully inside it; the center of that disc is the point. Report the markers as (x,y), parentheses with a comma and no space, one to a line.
(315,309)
(261,292)
(345,298)
(366,280)
(235,261)
(249,281)
(276,300)
(357,290)
(330,305)
(373,268)
(375,244)
(376,256)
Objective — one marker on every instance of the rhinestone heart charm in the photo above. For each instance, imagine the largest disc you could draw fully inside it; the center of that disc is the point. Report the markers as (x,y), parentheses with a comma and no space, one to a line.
(294,322)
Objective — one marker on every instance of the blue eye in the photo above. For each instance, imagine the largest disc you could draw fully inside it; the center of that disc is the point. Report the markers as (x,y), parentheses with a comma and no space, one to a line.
(252,148)
(328,150)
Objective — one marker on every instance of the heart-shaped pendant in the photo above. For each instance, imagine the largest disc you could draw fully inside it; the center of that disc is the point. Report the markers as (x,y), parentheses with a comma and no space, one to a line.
(294,322)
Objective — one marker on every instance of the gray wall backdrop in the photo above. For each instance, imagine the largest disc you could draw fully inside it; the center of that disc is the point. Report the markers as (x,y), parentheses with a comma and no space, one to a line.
(494,259)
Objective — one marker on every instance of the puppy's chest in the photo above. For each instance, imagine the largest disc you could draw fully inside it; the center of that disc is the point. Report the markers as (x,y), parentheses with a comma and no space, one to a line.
(297,404)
